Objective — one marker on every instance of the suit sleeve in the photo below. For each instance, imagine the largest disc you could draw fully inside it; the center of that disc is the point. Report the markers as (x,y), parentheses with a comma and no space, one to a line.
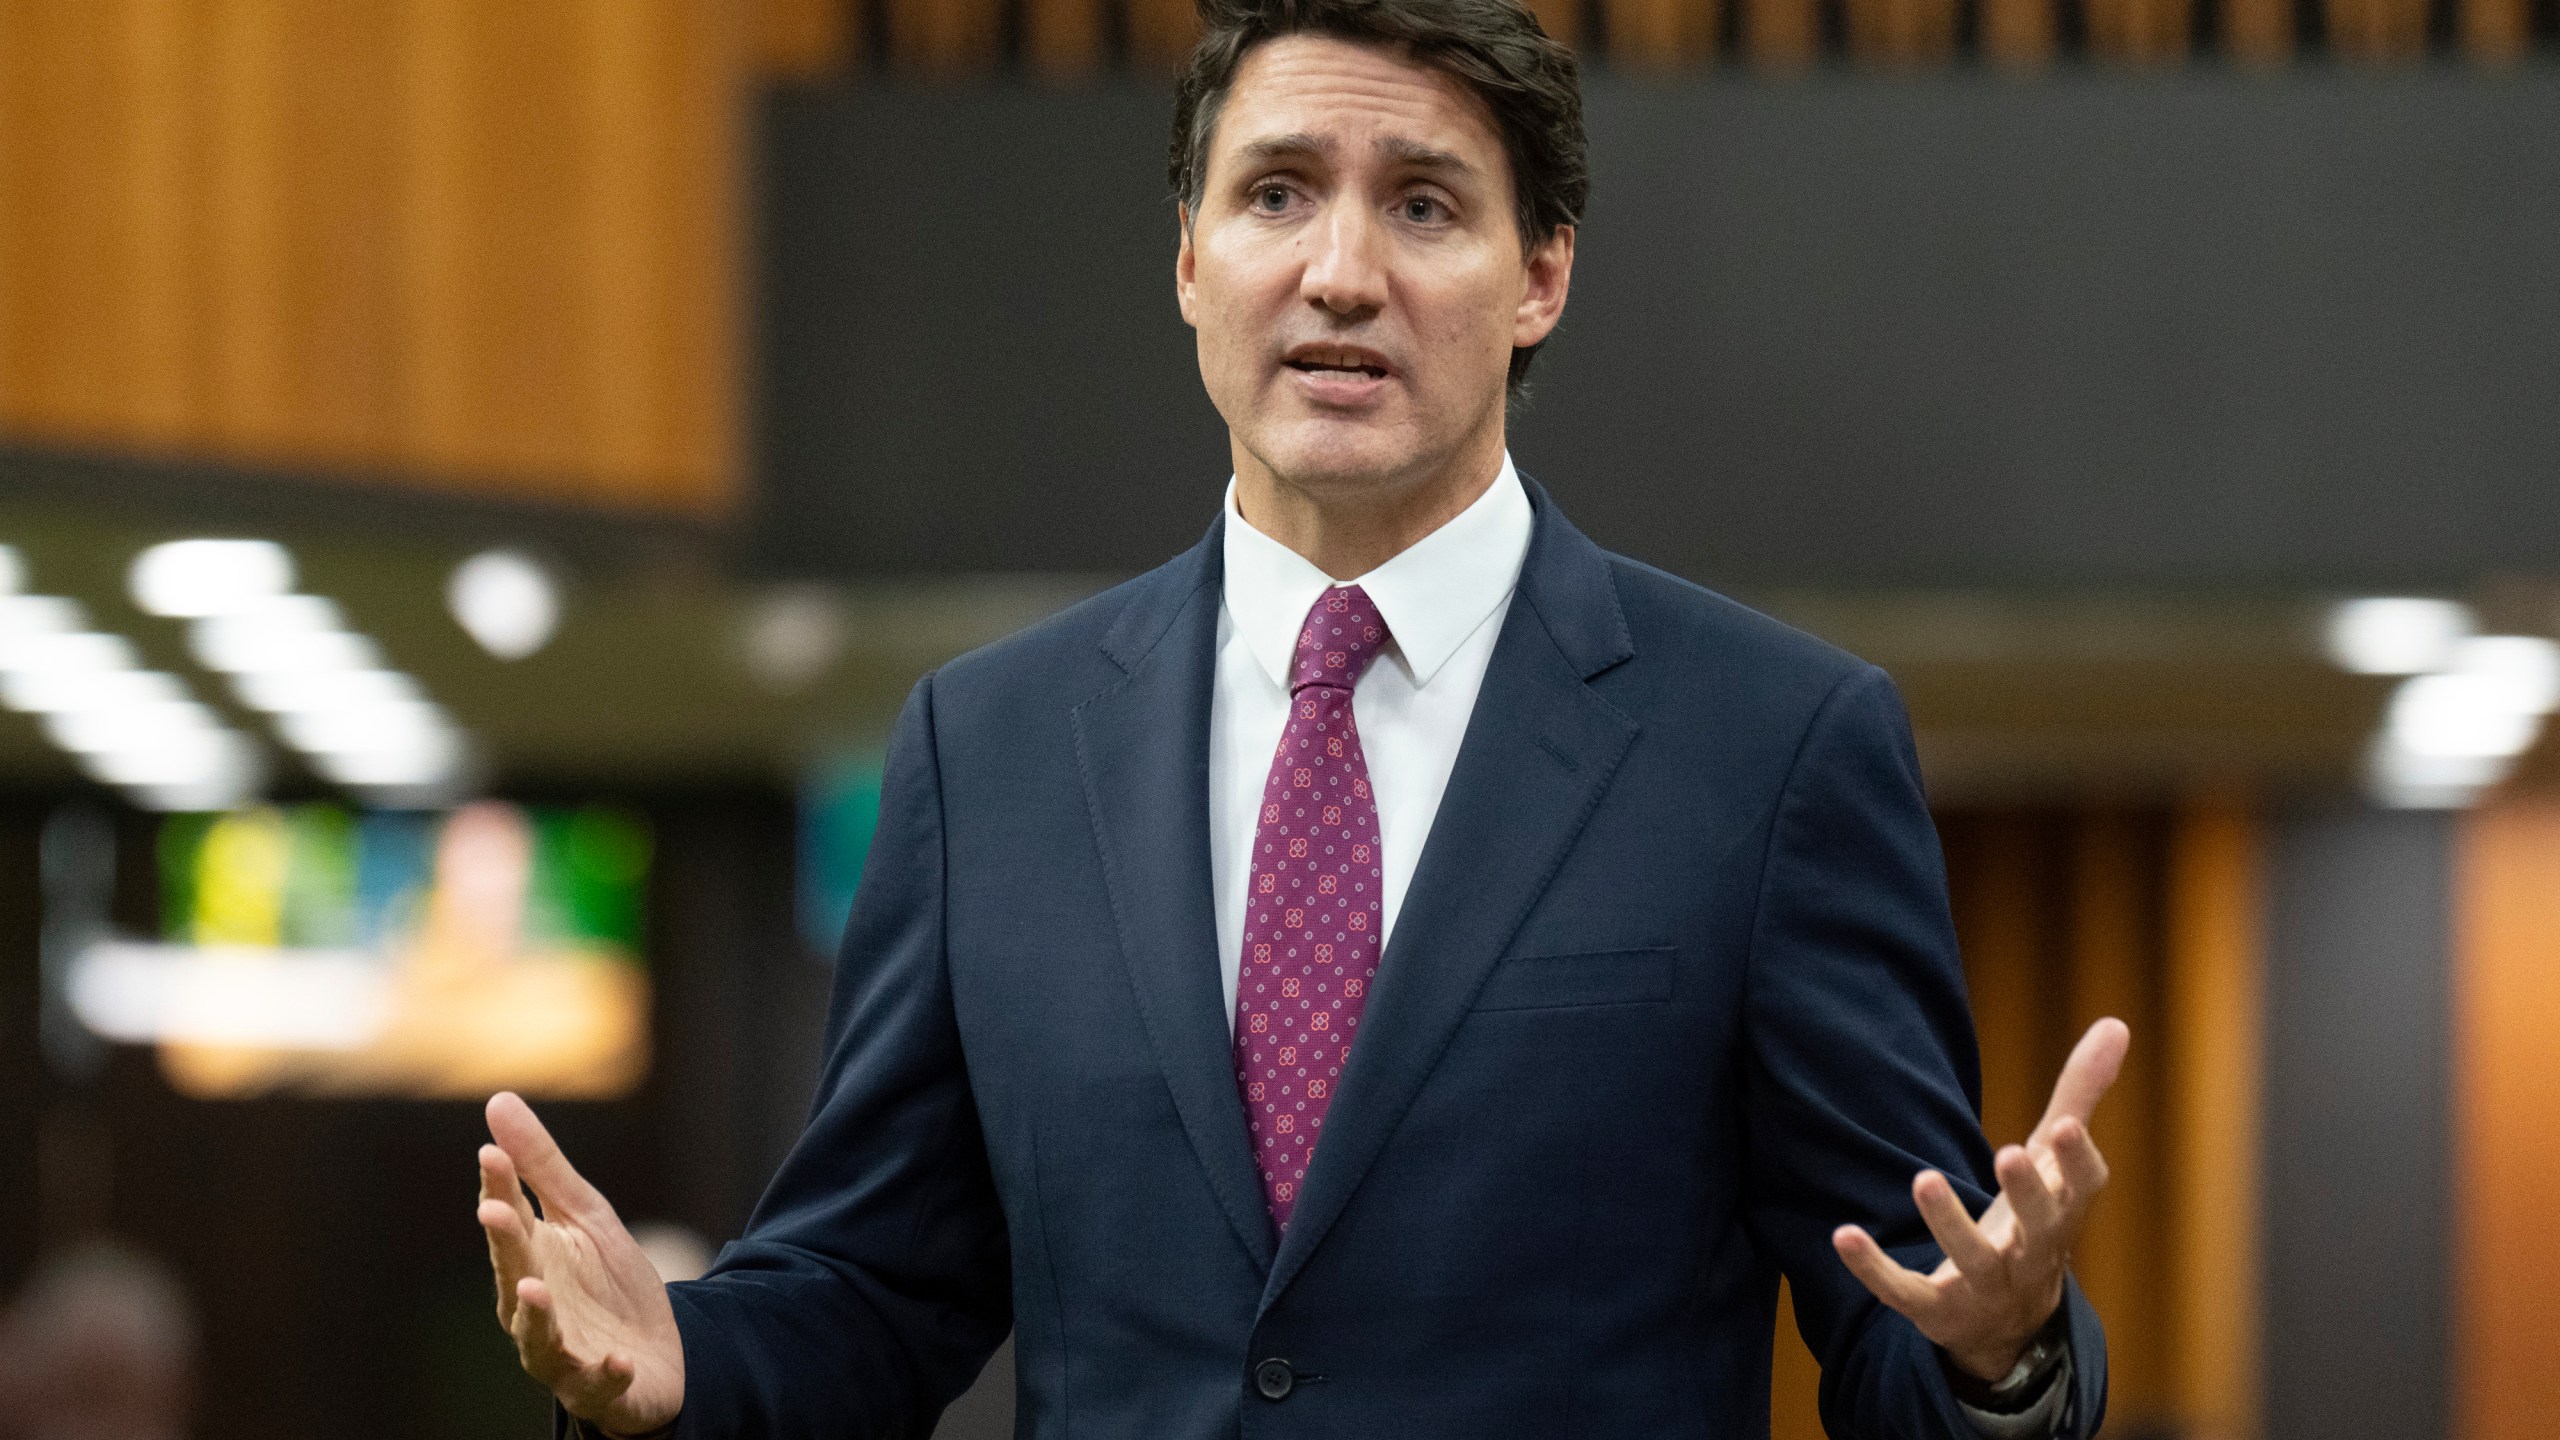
(1862,1071)
(874,1279)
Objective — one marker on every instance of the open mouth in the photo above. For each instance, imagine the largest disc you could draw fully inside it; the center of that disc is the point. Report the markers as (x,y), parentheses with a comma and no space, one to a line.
(1345,364)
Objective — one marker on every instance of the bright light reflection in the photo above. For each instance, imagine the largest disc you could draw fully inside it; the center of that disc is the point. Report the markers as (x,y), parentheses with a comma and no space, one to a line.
(120,729)
(2459,714)
(280,692)
(320,1000)
(2515,672)
(189,578)
(506,601)
(58,653)
(226,644)
(49,692)
(2396,635)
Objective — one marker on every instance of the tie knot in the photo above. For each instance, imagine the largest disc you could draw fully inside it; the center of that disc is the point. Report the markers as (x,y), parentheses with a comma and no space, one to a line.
(1342,635)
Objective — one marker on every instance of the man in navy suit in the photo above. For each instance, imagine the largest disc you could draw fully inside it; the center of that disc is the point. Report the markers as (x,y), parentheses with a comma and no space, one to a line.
(1396,969)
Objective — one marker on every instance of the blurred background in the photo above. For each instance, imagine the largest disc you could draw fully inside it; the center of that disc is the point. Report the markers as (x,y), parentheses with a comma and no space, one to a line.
(478,476)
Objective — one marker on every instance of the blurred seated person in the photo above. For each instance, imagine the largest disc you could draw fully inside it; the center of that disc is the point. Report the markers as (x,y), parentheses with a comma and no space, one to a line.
(101,1345)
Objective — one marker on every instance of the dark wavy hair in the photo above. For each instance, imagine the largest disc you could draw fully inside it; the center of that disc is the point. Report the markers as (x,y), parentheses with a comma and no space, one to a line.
(1495,47)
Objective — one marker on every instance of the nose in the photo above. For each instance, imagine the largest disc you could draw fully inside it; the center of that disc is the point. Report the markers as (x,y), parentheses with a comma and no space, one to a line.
(1345,269)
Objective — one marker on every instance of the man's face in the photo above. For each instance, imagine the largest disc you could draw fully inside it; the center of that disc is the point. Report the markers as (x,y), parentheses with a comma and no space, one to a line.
(1355,269)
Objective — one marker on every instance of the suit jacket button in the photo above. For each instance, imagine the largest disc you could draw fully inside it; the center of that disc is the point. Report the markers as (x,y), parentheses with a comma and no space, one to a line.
(1274,1379)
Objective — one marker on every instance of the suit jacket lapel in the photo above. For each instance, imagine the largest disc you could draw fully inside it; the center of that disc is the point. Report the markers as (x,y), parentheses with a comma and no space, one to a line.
(1144,749)
(1539,751)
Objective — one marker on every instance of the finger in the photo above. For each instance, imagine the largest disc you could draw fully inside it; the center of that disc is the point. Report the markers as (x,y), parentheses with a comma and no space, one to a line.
(2039,1213)
(1954,1230)
(1886,1278)
(499,1182)
(541,1347)
(2084,1170)
(510,1255)
(2087,1075)
(537,1157)
(585,1388)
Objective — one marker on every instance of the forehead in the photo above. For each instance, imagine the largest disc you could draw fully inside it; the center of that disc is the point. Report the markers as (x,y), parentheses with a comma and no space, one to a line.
(1352,96)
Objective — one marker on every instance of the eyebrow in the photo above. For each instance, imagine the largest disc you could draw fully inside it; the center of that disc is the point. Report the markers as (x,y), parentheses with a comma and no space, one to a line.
(1412,153)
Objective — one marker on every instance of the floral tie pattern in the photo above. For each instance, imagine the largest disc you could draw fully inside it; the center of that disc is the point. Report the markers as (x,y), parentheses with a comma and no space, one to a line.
(1312,902)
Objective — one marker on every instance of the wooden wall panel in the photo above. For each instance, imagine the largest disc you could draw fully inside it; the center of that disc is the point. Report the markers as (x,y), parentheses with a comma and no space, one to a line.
(1660,34)
(804,39)
(1162,32)
(300,178)
(2258,32)
(1781,34)
(2498,32)
(2211,1039)
(1795,1380)
(2018,34)
(472,243)
(2141,32)
(1902,33)
(2506,1004)
(2377,29)
(1063,37)
(2114,970)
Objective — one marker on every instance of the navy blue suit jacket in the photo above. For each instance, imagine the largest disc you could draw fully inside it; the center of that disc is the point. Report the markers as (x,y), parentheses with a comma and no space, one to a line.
(1674,992)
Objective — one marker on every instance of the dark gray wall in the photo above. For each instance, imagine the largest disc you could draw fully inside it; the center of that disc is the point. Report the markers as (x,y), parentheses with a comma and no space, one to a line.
(2357,1154)
(2202,328)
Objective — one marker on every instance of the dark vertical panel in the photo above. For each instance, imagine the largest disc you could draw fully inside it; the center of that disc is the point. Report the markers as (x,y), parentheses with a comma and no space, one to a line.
(21,1066)
(2356,1126)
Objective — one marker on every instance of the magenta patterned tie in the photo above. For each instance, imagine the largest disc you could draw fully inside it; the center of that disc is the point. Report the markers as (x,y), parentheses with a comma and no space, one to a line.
(1311,907)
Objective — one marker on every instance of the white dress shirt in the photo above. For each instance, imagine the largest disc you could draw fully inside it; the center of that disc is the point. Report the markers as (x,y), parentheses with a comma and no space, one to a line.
(1443,599)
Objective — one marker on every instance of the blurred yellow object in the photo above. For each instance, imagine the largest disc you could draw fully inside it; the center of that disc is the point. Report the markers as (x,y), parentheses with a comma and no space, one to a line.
(561,1025)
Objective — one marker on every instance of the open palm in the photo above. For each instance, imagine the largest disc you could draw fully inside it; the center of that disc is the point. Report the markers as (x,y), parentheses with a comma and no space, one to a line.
(2002,1275)
(588,1312)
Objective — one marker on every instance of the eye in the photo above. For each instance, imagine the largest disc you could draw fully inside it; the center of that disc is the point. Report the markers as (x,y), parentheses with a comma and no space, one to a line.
(1419,209)
(1271,199)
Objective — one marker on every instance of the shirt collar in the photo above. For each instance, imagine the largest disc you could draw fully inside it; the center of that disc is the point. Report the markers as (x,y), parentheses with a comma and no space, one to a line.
(1433,594)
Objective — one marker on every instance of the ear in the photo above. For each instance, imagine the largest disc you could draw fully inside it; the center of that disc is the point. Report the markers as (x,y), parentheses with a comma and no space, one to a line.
(1548,274)
(1185,268)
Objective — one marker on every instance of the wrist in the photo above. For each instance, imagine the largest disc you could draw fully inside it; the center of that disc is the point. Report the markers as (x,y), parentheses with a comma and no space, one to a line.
(1982,1381)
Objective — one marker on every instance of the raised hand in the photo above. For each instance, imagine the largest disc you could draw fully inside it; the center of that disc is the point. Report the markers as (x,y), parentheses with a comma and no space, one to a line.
(588,1311)
(2002,1276)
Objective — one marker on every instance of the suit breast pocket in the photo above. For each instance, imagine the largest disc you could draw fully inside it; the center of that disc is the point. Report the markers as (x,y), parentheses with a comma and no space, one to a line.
(1593,977)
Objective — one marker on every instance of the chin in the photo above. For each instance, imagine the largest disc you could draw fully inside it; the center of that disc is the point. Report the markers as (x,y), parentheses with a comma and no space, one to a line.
(1333,455)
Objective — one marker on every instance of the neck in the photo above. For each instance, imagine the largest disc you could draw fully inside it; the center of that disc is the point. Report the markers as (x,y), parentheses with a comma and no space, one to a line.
(1346,531)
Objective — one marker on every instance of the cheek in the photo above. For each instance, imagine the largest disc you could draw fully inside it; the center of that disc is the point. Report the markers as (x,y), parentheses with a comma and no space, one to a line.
(1466,321)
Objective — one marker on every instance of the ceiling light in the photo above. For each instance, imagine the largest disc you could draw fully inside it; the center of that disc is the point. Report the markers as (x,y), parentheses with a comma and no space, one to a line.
(56,652)
(47,692)
(2521,672)
(506,601)
(793,635)
(359,728)
(191,578)
(181,757)
(2408,780)
(2396,635)
(132,729)
(280,692)
(40,615)
(2458,715)
(284,633)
